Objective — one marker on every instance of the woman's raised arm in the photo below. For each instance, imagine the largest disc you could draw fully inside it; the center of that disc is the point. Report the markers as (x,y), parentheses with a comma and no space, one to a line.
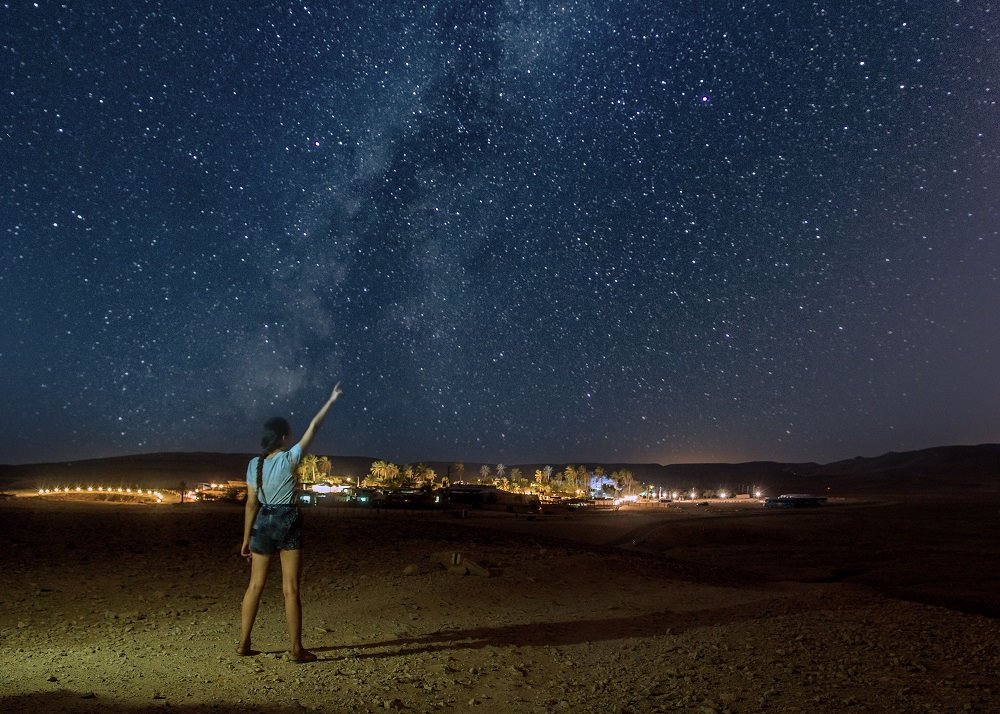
(317,420)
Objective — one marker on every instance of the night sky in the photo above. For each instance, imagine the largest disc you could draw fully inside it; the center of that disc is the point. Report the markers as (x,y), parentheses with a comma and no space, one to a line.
(587,231)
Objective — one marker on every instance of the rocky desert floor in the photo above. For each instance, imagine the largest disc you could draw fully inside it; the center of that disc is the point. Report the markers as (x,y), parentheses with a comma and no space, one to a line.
(875,604)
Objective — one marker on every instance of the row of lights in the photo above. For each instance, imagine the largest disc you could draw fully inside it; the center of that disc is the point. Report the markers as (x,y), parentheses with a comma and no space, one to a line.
(101,489)
(721,494)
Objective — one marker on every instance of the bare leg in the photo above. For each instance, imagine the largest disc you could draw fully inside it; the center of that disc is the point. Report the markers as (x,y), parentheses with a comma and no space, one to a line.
(251,600)
(291,575)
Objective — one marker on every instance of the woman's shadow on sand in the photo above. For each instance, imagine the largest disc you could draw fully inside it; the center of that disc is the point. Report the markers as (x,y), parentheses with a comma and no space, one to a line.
(570,632)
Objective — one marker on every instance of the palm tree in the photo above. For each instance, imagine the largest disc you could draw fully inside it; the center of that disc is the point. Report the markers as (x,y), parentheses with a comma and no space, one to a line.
(501,470)
(619,482)
(423,472)
(384,471)
(600,479)
(323,466)
(458,471)
(628,482)
(378,470)
(484,473)
(307,468)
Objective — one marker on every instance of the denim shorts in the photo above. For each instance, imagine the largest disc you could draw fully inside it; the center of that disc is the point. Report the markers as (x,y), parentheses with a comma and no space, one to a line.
(276,528)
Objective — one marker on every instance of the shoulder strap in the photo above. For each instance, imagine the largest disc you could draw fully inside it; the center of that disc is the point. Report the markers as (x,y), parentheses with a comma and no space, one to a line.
(260,480)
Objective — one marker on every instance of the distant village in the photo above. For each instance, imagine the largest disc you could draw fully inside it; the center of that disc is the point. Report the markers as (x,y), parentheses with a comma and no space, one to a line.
(419,485)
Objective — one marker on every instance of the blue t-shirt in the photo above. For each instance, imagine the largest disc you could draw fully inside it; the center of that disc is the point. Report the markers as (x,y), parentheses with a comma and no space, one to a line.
(278,478)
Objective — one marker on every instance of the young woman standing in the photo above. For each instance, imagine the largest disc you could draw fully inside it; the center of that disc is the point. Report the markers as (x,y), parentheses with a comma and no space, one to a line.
(272,524)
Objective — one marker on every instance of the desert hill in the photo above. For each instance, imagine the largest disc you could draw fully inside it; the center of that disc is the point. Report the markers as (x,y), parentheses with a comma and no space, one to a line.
(968,467)
(964,460)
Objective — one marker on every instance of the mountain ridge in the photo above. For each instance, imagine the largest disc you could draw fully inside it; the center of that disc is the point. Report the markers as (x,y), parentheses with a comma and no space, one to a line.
(976,466)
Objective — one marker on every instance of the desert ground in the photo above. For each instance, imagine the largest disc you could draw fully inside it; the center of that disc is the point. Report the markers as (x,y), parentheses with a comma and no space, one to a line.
(873,604)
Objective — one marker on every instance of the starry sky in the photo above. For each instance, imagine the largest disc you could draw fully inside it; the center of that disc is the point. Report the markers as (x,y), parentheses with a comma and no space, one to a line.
(518,231)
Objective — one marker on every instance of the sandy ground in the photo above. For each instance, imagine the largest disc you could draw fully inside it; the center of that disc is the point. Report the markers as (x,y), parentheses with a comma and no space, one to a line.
(877,606)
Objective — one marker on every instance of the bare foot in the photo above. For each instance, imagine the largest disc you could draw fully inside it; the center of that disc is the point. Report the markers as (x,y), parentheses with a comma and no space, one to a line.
(301,656)
(246,652)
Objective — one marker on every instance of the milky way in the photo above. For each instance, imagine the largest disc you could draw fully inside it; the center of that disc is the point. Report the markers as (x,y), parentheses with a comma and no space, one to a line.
(517,231)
